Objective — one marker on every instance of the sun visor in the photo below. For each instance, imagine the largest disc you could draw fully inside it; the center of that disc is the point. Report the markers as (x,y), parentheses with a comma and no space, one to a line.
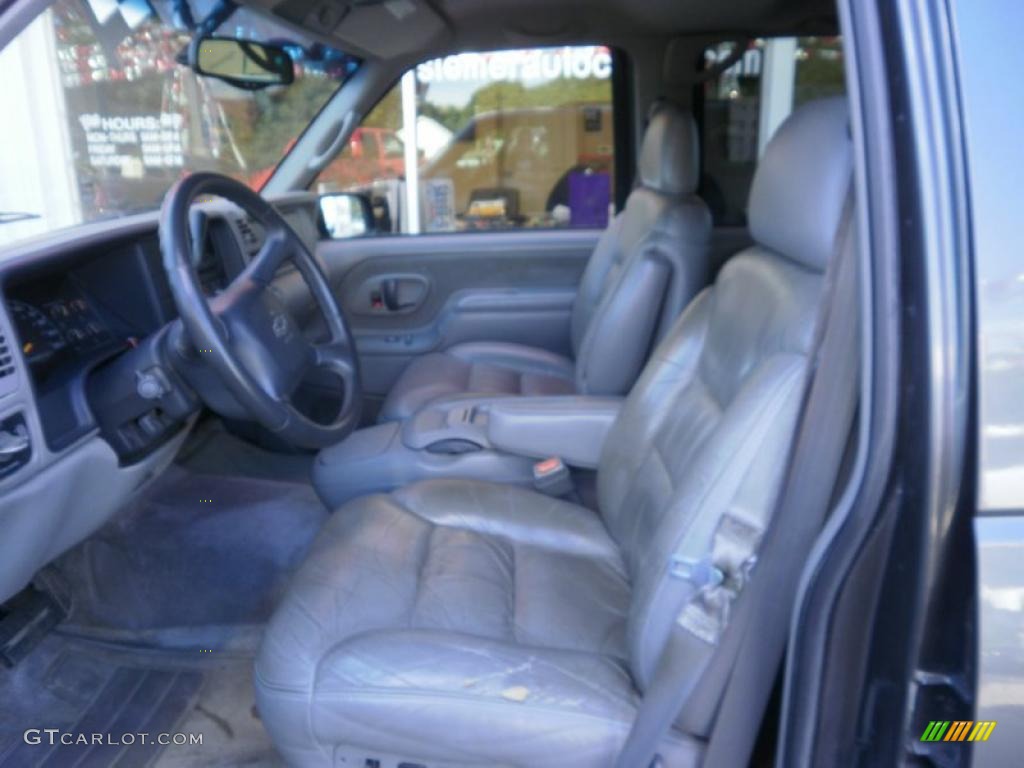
(385,29)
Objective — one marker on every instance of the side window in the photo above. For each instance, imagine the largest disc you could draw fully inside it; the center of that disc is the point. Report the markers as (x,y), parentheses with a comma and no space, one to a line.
(496,141)
(744,105)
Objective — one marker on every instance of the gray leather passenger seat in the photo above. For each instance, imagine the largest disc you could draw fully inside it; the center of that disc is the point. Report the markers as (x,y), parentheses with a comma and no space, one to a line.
(456,622)
(646,267)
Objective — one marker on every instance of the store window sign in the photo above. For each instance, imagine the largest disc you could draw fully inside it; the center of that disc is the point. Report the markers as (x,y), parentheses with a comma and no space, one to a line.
(579,63)
(439,202)
(125,141)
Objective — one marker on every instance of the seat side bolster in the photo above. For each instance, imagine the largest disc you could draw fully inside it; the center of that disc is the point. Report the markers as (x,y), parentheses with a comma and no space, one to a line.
(517,357)
(618,338)
(477,369)
(662,274)
(513,514)
(426,378)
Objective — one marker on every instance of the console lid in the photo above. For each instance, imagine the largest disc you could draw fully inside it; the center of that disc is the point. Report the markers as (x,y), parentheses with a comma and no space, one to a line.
(572,428)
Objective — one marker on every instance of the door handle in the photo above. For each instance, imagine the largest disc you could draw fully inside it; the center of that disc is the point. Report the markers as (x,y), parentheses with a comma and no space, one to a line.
(392,293)
(389,292)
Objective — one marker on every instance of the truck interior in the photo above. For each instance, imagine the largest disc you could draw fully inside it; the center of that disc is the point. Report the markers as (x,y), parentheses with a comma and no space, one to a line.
(491,424)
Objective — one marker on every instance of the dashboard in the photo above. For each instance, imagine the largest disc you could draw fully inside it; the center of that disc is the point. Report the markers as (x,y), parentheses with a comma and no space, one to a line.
(71,320)
(75,312)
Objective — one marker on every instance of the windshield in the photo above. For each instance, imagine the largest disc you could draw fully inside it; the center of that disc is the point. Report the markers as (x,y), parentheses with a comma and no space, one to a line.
(100,118)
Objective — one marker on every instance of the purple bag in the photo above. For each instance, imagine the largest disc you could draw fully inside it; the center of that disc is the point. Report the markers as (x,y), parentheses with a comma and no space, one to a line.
(589,196)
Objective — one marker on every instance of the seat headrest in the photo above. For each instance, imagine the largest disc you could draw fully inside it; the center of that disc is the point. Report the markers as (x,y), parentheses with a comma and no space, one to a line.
(669,160)
(801,183)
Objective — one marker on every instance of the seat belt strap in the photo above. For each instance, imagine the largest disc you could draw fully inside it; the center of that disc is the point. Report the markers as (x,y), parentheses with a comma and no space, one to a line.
(804,503)
(829,403)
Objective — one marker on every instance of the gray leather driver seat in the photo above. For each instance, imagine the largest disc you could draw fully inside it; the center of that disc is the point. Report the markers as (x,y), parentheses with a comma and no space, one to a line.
(648,264)
(455,622)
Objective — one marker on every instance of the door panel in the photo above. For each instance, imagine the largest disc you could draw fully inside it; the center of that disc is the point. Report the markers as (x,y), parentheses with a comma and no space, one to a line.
(447,289)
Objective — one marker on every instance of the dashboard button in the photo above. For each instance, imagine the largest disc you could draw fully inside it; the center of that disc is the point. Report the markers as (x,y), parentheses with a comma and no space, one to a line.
(150,384)
(151,424)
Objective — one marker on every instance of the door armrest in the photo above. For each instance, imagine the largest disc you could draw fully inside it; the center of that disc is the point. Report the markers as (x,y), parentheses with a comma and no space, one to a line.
(572,428)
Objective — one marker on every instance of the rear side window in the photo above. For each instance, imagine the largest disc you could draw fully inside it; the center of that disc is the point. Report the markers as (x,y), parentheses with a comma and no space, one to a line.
(744,105)
(506,140)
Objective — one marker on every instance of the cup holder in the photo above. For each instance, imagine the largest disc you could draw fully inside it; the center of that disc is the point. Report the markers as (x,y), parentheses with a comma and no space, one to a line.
(454,446)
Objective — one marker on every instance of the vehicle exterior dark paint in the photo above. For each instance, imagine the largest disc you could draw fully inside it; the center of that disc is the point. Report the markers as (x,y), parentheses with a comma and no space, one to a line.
(936,556)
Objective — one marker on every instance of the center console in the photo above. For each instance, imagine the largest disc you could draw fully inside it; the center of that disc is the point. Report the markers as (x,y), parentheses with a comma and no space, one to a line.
(497,439)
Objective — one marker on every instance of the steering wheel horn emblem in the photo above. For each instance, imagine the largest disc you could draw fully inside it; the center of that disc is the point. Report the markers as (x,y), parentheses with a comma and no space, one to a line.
(280,325)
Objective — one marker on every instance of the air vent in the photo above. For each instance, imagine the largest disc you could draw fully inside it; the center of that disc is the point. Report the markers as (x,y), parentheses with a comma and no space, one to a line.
(211,274)
(6,360)
(250,237)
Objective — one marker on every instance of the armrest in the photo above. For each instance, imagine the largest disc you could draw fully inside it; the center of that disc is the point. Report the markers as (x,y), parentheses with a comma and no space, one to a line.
(572,428)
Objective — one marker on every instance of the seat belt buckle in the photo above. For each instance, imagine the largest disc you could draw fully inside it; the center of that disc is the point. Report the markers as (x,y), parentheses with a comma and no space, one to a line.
(552,477)
(700,573)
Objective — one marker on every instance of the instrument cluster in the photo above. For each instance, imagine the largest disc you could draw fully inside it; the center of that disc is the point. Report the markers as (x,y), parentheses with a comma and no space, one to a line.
(57,328)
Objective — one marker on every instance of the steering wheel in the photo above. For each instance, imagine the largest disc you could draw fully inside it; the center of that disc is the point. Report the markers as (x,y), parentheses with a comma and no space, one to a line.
(246,332)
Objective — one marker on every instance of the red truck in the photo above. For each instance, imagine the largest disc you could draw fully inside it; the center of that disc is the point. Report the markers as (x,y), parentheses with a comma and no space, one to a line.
(371,154)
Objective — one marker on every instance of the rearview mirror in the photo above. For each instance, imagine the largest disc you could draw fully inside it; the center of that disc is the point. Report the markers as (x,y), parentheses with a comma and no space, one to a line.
(243,63)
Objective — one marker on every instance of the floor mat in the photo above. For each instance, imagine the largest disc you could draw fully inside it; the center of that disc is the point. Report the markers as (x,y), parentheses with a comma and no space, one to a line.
(193,551)
(84,688)
(77,692)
